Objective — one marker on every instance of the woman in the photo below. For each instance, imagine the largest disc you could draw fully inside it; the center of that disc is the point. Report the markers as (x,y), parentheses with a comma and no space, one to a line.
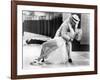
(57,50)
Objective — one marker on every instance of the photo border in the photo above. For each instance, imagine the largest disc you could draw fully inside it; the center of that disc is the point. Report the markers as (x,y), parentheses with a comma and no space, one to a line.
(14,39)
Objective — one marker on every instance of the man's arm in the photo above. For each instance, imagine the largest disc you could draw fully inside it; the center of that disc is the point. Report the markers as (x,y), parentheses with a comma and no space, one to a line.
(64,32)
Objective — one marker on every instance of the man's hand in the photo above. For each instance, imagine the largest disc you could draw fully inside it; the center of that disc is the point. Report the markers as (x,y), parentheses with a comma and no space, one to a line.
(78,34)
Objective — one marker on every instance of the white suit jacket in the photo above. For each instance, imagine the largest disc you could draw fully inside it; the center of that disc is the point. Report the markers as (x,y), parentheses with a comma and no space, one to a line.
(66,30)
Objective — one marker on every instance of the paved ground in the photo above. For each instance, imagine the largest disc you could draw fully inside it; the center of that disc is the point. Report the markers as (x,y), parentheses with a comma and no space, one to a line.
(32,51)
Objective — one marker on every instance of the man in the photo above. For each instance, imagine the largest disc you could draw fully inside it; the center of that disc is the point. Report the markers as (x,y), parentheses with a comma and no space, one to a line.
(65,34)
(69,31)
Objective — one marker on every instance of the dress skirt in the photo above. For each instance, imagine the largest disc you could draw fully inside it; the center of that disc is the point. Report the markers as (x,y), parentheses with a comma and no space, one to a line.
(55,50)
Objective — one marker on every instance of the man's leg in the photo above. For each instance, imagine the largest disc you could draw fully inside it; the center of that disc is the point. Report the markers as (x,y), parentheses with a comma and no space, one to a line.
(69,46)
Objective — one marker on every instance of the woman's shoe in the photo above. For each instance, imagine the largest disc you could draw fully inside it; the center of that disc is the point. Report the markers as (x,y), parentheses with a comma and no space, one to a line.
(35,62)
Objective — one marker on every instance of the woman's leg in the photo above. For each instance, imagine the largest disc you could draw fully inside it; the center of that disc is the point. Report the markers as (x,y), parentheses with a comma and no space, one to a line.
(47,48)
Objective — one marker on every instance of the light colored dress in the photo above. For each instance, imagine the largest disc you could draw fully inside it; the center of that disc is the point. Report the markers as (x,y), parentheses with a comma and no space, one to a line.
(59,54)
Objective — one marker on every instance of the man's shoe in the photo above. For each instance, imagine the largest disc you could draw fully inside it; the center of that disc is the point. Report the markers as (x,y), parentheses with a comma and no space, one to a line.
(70,60)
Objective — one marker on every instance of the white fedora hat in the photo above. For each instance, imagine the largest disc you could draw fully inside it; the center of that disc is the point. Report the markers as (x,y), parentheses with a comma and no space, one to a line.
(75,18)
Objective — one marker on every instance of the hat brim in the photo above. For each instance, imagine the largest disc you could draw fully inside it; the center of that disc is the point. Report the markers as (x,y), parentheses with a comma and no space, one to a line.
(75,20)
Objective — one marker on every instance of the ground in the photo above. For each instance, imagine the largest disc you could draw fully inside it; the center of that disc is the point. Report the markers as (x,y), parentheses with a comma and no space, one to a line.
(32,51)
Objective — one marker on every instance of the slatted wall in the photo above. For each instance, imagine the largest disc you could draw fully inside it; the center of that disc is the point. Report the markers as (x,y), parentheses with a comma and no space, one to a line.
(43,26)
